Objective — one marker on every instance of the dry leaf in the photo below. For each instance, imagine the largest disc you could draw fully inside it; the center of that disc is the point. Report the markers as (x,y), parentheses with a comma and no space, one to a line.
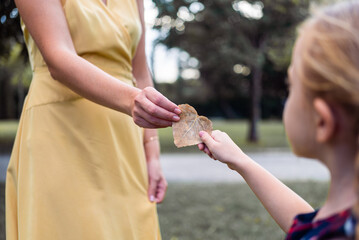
(185,131)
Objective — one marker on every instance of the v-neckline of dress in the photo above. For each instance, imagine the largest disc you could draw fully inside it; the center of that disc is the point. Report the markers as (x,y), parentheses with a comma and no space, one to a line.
(105,4)
(107,7)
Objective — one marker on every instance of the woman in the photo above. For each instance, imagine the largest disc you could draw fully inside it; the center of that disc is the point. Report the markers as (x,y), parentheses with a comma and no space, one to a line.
(78,168)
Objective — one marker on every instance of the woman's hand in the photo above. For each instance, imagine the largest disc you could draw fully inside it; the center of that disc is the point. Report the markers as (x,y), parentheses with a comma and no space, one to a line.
(220,147)
(157,183)
(150,109)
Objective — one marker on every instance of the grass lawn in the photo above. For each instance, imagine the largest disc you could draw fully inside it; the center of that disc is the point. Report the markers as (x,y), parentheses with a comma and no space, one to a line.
(272,135)
(8,129)
(7,134)
(216,211)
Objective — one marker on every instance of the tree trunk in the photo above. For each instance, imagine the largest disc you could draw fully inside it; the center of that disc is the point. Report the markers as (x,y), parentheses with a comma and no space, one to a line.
(227,109)
(6,97)
(256,94)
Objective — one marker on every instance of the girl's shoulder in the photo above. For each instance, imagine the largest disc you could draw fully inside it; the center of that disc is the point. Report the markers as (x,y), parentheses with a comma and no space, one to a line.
(340,225)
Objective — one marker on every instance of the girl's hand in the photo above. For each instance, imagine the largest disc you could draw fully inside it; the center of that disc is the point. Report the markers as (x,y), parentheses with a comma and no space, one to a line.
(157,183)
(220,147)
(150,109)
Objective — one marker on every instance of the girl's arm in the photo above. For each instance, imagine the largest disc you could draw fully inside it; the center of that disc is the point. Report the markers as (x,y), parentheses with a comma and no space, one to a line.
(47,25)
(281,202)
(157,183)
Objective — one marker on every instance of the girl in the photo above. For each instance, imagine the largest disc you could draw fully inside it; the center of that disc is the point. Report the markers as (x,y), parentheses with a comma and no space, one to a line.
(321,120)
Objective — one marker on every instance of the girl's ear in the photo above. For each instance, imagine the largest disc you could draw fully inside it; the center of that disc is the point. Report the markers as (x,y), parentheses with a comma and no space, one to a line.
(325,121)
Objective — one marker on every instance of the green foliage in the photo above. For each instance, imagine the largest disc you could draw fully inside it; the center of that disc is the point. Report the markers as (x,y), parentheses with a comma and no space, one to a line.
(21,71)
(15,78)
(10,30)
(15,72)
(7,135)
(222,33)
(271,132)
(8,130)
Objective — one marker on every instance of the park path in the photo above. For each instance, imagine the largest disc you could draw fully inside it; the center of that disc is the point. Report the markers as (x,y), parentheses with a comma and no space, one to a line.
(199,168)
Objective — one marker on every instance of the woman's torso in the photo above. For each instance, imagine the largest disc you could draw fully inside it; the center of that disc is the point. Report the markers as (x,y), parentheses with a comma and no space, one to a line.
(104,34)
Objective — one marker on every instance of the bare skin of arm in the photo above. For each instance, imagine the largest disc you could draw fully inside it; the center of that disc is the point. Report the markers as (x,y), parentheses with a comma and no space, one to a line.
(157,182)
(280,201)
(47,25)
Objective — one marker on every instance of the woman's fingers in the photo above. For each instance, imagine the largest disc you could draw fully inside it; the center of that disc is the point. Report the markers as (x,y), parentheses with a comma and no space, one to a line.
(152,187)
(146,120)
(159,100)
(155,109)
(161,190)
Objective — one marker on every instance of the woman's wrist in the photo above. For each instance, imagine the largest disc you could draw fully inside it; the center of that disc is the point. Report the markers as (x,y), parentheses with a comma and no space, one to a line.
(133,92)
(151,145)
(150,139)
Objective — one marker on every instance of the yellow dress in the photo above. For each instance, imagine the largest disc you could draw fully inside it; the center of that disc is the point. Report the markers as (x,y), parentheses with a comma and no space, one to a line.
(78,169)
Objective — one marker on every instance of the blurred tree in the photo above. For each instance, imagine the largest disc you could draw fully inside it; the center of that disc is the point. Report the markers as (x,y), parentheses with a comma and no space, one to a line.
(10,30)
(15,73)
(233,41)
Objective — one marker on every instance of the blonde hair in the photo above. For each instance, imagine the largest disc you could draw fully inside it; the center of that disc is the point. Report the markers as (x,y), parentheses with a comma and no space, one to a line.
(330,62)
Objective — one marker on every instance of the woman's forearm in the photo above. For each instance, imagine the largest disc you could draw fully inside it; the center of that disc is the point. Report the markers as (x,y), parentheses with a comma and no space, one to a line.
(91,82)
(151,144)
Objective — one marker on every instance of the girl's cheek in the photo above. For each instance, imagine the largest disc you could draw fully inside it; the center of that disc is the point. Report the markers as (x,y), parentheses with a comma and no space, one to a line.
(287,119)
(285,113)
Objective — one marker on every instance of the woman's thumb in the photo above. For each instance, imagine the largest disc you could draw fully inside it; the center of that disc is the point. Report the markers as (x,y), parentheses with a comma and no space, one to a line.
(206,138)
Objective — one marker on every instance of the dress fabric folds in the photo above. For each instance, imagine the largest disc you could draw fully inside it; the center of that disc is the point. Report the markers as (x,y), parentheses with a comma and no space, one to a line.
(78,169)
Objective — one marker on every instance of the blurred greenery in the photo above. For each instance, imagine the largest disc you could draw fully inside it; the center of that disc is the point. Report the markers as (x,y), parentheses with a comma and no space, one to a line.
(15,79)
(215,211)
(10,30)
(8,130)
(227,44)
(15,72)
(224,211)
(272,136)
(236,46)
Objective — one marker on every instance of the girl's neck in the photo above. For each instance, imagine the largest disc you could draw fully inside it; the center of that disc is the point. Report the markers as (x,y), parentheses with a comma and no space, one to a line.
(342,194)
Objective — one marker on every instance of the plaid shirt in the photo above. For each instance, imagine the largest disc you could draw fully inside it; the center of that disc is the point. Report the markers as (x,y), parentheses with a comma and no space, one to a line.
(339,225)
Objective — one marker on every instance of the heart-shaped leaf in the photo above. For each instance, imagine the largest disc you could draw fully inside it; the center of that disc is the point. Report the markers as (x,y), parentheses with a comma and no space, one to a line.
(185,131)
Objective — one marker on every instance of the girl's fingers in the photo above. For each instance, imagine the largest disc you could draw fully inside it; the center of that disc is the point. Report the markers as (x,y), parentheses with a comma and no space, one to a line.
(204,148)
(207,139)
(200,146)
